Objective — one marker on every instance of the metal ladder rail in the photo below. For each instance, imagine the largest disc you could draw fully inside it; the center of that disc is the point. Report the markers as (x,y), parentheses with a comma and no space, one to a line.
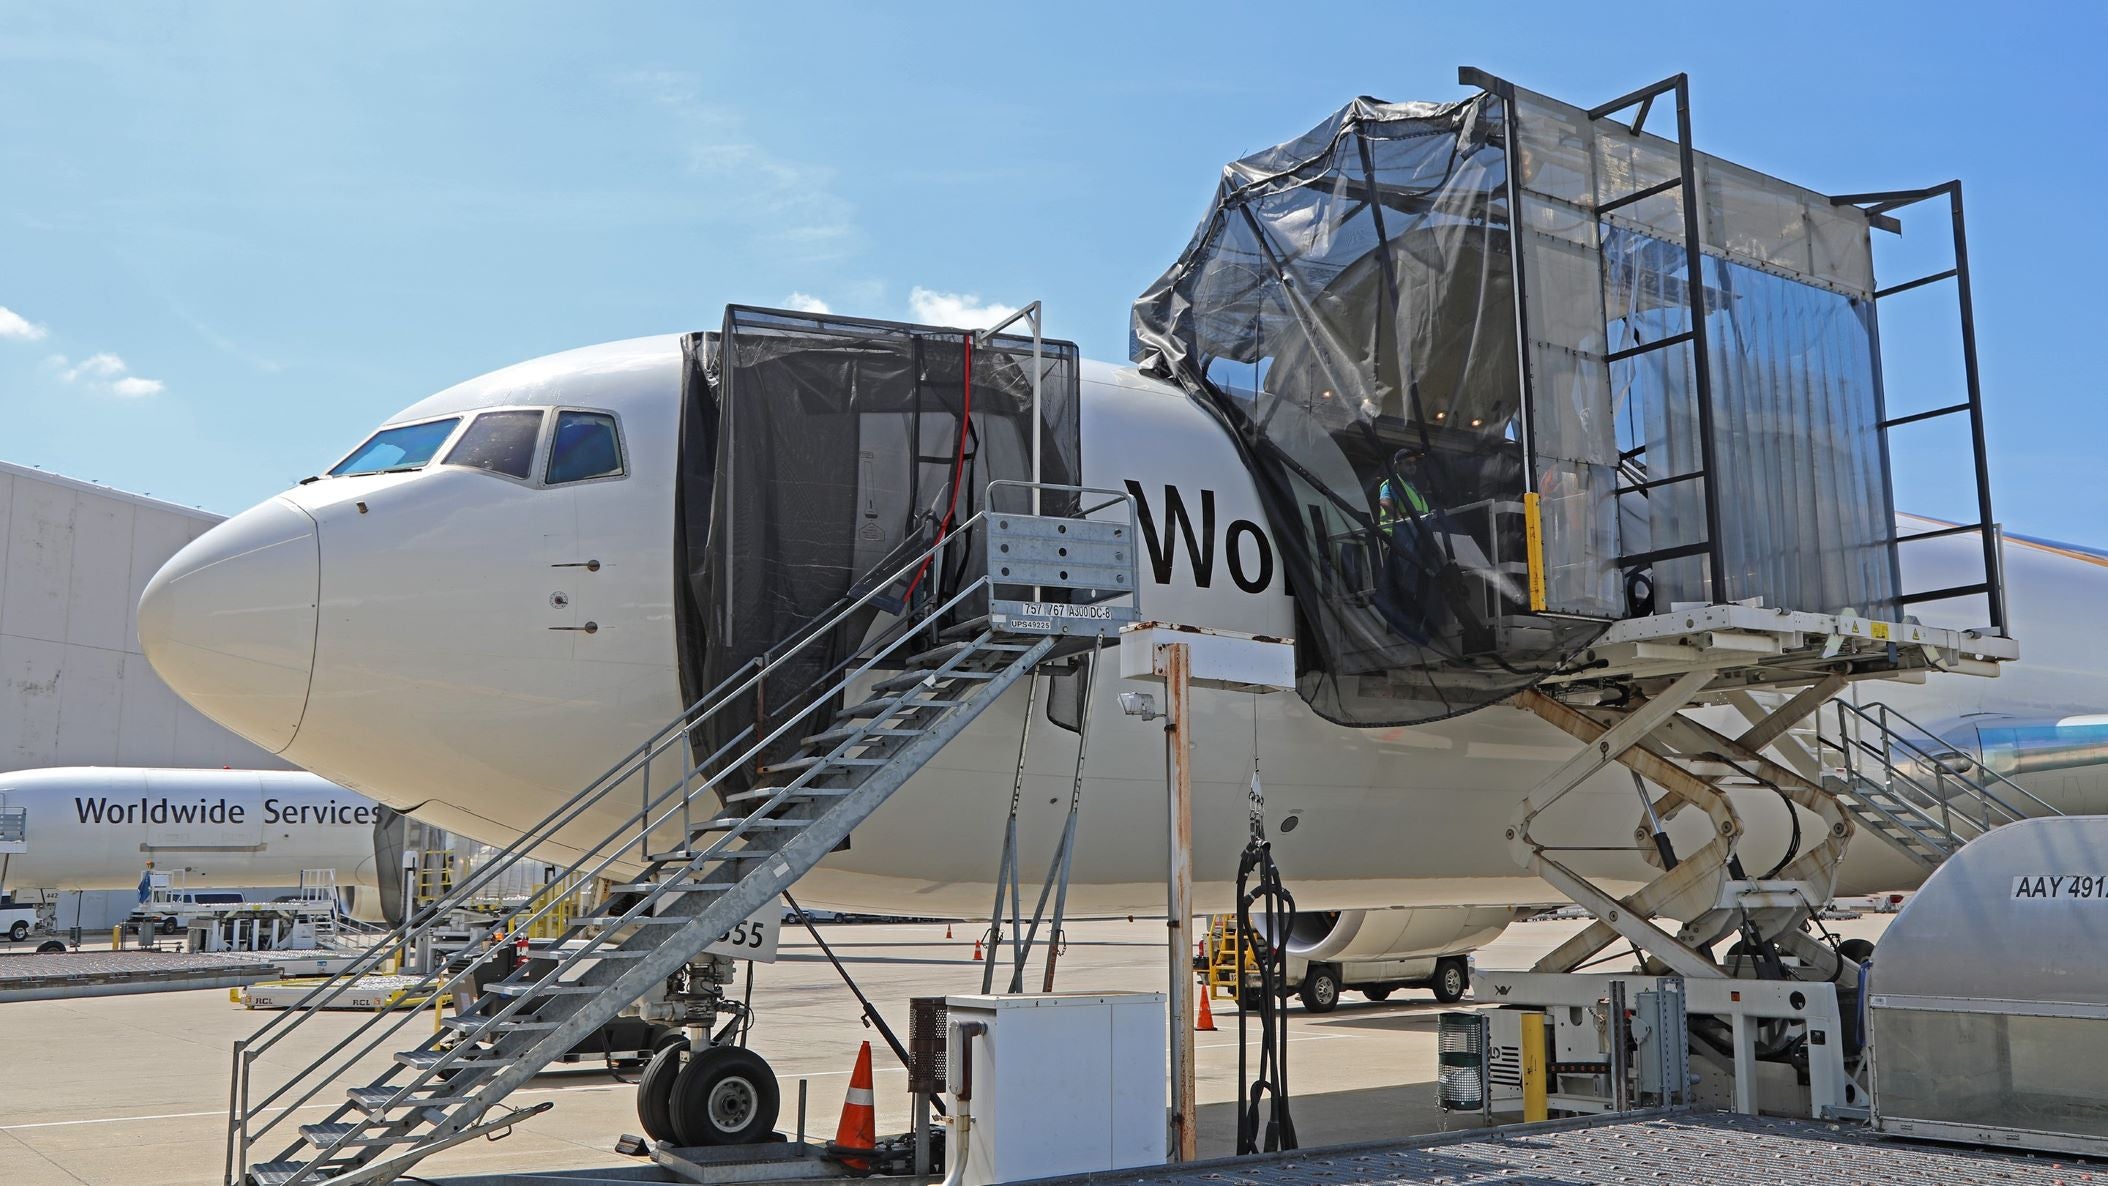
(726,692)
(1684,184)
(615,845)
(812,708)
(1878,208)
(767,879)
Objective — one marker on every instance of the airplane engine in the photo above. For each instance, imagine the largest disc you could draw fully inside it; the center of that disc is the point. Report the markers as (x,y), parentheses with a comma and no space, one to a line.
(1340,936)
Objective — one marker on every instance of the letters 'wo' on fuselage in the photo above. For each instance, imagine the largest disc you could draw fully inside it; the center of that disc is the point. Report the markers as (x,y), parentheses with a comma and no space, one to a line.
(97,827)
(416,631)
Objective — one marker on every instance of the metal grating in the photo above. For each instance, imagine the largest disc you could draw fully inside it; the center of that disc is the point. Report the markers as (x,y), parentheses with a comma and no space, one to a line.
(1711,1149)
(926,1042)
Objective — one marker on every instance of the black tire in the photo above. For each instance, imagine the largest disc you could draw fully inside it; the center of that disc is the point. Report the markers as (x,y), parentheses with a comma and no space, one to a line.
(724,1096)
(655,1091)
(169,926)
(1250,1000)
(1858,951)
(1377,992)
(1452,980)
(1320,989)
(51,946)
(19,931)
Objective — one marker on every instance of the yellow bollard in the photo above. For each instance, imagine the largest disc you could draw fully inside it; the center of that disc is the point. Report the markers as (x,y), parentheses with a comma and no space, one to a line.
(117,937)
(1533,1069)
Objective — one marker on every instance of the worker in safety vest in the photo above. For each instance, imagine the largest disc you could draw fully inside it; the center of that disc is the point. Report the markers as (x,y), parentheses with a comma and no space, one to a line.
(1404,588)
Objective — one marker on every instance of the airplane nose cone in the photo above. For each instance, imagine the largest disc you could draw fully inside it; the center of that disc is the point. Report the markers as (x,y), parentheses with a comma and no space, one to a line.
(229,621)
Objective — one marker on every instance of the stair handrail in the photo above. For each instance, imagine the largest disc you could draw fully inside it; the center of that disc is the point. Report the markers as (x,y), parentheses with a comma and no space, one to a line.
(504,858)
(249,1050)
(617,840)
(1851,746)
(1888,713)
(570,957)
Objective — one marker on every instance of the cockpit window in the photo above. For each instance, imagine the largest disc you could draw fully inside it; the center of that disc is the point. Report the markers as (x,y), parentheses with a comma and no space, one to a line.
(586,446)
(405,448)
(501,442)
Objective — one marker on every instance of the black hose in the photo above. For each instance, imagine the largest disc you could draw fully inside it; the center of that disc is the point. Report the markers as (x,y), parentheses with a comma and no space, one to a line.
(1266,1093)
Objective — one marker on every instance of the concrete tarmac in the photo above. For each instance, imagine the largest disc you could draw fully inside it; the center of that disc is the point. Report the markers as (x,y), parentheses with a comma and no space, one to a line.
(128,1090)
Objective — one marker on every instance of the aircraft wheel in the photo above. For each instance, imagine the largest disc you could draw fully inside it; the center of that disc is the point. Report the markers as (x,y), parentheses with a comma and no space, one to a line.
(655,1091)
(1320,990)
(1452,979)
(724,1096)
(1858,951)
(19,931)
(1377,992)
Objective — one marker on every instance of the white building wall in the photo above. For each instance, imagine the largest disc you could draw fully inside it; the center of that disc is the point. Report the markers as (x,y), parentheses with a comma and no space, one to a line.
(74,688)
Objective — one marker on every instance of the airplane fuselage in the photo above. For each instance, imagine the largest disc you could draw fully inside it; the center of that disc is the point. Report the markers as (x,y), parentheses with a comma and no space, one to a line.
(448,670)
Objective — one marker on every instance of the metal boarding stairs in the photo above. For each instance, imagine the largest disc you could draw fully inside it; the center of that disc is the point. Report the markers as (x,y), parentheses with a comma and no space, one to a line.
(1901,782)
(903,695)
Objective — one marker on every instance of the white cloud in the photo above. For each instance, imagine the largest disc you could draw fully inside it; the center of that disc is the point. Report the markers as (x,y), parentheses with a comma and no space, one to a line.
(960,310)
(97,366)
(805,302)
(21,329)
(105,373)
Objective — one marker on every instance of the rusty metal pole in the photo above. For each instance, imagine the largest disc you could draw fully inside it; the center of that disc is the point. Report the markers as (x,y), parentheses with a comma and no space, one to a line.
(1173,659)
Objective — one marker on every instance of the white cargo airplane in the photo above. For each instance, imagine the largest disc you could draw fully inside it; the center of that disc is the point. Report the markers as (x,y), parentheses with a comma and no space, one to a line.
(98,827)
(416,628)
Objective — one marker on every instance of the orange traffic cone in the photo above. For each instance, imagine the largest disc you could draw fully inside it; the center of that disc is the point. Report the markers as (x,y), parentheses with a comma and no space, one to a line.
(859,1127)
(977,949)
(947,930)
(1206,1021)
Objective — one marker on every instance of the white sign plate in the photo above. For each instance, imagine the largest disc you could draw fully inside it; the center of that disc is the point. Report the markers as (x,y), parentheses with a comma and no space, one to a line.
(2060,887)
(755,939)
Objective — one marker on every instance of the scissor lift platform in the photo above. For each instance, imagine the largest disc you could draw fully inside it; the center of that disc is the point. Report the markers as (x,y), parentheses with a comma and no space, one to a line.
(1708,1148)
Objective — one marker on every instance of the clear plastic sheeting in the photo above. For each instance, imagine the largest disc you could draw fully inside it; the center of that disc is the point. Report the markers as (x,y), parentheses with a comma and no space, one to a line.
(1995,1070)
(1454,344)
(1347,309)
(842,448)
(1798,465)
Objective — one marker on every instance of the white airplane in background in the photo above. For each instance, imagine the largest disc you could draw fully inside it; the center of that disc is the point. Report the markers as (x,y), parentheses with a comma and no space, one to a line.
(97,827)
(407,627)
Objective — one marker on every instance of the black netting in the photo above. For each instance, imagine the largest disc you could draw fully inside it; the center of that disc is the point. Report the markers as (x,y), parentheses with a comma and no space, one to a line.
(1348,309)
(843,448)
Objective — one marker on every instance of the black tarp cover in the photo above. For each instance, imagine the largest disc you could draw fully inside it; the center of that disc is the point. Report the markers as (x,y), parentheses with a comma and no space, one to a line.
(1347,309)
(836,444)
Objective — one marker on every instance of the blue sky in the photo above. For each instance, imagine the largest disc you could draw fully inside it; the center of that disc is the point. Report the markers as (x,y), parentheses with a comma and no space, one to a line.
(235,237)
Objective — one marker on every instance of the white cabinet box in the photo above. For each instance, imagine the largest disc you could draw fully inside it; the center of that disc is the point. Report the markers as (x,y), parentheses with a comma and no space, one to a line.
(1063,1083)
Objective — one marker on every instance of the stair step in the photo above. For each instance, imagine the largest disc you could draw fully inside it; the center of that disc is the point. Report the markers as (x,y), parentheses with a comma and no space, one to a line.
(523,988)
(814,760)
(319,1135)
(678,887)
(375,1099)
(882,704)
(426,1059)
(682,856)
(615,920)
(834,737)
(277,1173)
(929,679)
(805,792)
(726,823)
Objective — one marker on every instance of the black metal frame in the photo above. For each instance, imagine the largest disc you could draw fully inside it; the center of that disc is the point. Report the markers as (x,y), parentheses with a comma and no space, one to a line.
(1694,288)
(1877,207)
